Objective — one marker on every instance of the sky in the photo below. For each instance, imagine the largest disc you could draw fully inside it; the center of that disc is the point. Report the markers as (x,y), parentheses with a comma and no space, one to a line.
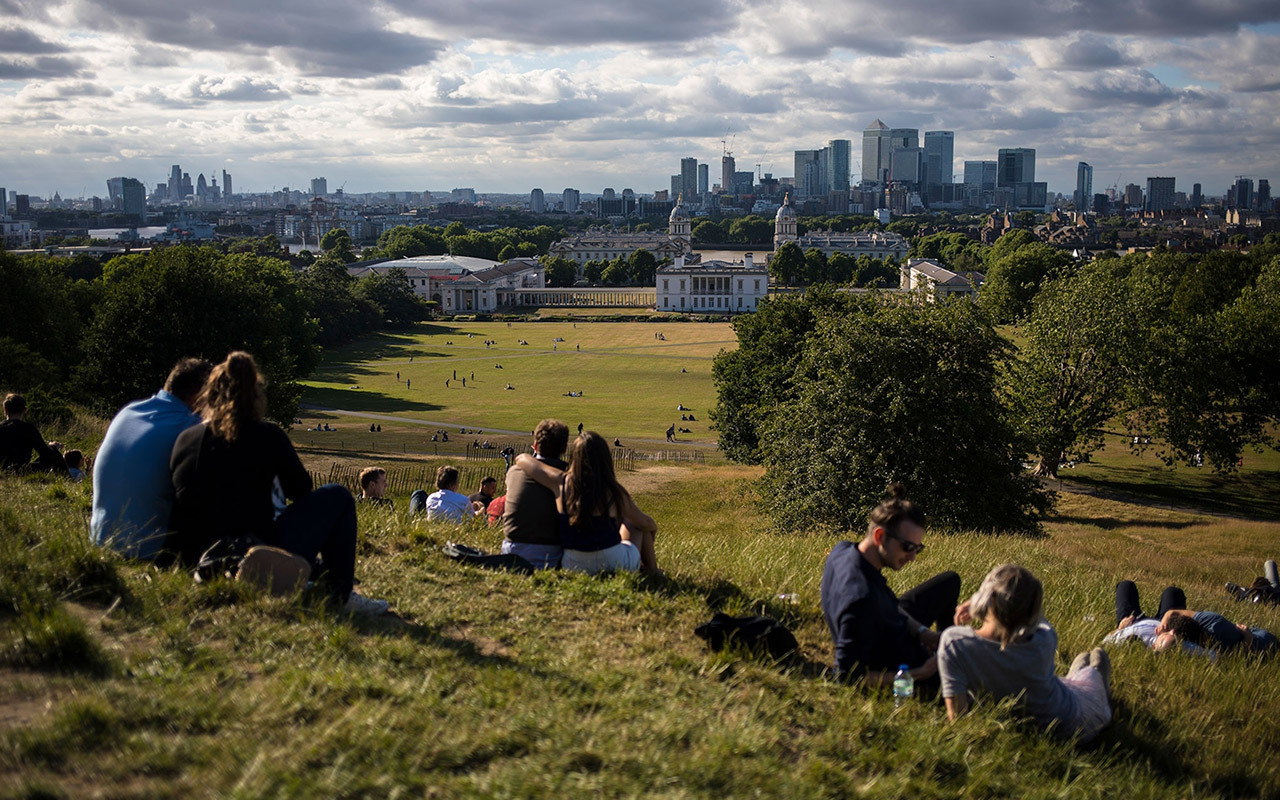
(506,95)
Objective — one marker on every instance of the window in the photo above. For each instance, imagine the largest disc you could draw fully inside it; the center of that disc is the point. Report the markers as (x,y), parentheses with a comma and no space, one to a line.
(682,284)
(739,302)
(682,302)
(757,284)
(664,284)
(739,284)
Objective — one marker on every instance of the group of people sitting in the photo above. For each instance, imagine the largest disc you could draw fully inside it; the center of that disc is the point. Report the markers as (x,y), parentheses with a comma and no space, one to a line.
(1010,652)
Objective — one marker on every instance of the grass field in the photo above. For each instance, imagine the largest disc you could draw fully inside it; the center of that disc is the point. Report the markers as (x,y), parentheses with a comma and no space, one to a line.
(631,383)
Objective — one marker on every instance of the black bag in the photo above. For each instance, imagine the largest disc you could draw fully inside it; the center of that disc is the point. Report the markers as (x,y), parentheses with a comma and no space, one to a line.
(223,558)
(750,632)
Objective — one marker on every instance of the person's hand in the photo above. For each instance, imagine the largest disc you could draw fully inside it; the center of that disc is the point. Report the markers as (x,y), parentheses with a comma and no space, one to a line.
(963,616)
(1127,621)
(1247,632)
(930,639)
(926,670)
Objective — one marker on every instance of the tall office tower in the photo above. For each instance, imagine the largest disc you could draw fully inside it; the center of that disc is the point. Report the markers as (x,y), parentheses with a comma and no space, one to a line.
(875,154)
(980,175)
(133,198)
(704,178)
(1242,193)
(727,168)
(905,164)
(202,188)
(571,199)
(226,185)
(115,191)
(4,205)
(22,206)
(1160,194)
(628,194)
(608,193)
(677,187)
(319,187)
(1263,200)
(744,181)
(939,157)
(1084,186)
(836,175)
(187,189)
(689,178)
(1197,197)
(806,174)
(1015,165)
(1132,195)
(175,182)
(537,202)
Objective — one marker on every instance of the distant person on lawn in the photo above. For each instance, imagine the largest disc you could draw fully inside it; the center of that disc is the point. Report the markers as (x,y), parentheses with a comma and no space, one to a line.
(446,503)
(530,522)
(601,527)
(225,471)
(19,440)
(873,630)
(373,487)
(132,488)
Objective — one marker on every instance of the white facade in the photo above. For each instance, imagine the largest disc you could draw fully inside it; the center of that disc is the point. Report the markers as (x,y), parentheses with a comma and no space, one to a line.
(602,245)
(712,287)
(15,234)
(937,280)
(462,284)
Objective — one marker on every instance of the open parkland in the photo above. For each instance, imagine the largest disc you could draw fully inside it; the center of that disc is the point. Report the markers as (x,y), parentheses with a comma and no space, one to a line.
(492,684)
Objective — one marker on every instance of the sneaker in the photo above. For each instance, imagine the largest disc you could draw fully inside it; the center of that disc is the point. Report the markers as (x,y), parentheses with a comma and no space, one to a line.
(1099,660)
(1080,662)
(363,606)
(277,572)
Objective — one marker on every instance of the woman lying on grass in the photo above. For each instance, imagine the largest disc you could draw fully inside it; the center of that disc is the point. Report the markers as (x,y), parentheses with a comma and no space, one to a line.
(601,527)
(1011,654)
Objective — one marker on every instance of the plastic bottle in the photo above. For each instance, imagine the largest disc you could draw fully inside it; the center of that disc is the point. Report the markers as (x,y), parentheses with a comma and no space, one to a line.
(904,686)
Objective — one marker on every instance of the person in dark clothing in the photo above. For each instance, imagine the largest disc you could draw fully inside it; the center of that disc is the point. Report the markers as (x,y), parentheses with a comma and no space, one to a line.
(487,487)
(225,471)
(873,630)
(19,440)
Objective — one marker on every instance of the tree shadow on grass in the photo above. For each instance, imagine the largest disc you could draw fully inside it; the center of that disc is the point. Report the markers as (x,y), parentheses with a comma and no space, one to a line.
(1111,523)
(364,400)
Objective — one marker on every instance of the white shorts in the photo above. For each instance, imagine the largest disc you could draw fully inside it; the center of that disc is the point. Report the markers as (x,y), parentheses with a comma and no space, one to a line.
(1089,690)
(622,557)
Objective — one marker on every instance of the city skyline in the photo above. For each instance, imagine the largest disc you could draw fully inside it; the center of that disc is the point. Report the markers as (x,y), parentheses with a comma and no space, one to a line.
(504,97)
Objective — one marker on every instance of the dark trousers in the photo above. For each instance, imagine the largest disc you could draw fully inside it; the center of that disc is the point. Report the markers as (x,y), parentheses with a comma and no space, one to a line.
(1127,601)
(323,522)
(933,602)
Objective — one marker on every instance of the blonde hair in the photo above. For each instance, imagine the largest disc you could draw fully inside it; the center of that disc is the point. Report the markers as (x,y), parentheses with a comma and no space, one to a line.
(1013,597)
(233,398)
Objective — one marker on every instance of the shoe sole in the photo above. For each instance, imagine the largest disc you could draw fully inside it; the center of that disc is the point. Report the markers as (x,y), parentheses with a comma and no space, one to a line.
(275,571)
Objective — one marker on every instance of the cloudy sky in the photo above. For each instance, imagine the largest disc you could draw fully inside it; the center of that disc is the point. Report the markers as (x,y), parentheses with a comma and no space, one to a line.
(504,95)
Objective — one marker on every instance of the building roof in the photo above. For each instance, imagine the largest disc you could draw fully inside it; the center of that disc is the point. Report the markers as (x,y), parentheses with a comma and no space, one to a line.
(941,275)
(714,265)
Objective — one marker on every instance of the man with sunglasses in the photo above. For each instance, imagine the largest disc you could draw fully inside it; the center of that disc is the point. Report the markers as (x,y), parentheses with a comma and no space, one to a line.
(873,630)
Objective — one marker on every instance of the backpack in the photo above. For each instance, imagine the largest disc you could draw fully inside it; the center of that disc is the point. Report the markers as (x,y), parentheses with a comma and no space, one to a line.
(753,633)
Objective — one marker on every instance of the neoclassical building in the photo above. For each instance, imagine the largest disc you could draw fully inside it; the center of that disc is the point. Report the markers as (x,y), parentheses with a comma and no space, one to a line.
(876,244)
(597,244)
(711,287)
(461,284)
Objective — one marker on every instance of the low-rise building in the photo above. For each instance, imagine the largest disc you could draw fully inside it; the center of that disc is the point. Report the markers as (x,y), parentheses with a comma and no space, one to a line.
(460,284)
(711,287)
(597,244)
(937,280)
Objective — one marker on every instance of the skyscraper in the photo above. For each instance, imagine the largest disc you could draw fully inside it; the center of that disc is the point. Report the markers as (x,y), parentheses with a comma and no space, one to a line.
(939,157)
(1084,186)
(689,178)
(875,154)
(1263,200)
(537,201)
(806,176)
(571,199)
(1241,195)
(704,178)
(836,177)
(319,187)
(175,182)
(1197,196)
(133,198)
(1015,165)
(1160,194)
(226,185)
(905,164)
(727,167)
(980,175)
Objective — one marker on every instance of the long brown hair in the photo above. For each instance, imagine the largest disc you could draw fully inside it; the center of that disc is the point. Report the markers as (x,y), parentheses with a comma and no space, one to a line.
(233,398)
(590,486)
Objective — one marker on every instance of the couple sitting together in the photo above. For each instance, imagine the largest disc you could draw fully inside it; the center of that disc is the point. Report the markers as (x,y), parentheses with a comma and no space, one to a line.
(574,514)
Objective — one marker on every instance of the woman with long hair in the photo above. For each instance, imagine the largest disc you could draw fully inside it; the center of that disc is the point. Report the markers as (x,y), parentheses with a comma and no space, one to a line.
(601,527)
(1010,654)
(226,472)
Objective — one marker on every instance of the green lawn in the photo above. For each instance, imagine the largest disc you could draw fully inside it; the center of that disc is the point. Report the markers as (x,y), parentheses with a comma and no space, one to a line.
(631,383)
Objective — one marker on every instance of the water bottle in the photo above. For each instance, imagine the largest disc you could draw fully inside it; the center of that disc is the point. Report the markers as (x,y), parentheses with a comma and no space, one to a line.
(904,686)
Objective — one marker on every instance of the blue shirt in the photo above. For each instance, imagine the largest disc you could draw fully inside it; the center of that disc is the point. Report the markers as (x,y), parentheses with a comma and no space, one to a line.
(1227,636)
(132,490)
(867,629)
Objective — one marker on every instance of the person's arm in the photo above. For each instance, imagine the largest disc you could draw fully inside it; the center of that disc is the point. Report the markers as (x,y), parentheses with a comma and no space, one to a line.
(1170,614)
(956,706)
(541,472)
(294,478)
(634,518)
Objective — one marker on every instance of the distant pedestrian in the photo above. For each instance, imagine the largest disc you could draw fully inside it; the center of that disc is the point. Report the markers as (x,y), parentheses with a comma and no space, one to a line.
(578,347)
(464,383)
(473,376)
(446,383)
(397,375)
(455,374)
(579,428)
(406,383)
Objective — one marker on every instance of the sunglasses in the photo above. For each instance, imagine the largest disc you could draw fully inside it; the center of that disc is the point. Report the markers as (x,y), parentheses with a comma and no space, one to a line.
(907,547)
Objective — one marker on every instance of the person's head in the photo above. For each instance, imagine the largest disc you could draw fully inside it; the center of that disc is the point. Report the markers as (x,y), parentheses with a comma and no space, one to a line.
(447,478)
(187,379)
(1180,628)
(550,438)
(590,487)
(373,481)
(15,405)
(74,459)
(233,397)
(1011,596)
(895,529)
(488,486)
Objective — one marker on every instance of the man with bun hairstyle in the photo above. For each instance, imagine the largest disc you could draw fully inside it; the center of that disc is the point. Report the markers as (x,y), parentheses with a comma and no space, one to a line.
(873,630)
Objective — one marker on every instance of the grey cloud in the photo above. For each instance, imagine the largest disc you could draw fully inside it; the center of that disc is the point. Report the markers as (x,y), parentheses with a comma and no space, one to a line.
(34,93)
(319,37)
(40,67)
(1090,52)
(21,40)
(1136,88)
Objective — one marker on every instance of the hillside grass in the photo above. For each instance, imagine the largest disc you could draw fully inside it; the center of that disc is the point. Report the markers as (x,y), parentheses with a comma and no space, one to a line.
(631,382)
(122,680)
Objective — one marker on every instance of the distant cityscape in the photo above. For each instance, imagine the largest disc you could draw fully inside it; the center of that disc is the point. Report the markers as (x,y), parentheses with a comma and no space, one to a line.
(899,173)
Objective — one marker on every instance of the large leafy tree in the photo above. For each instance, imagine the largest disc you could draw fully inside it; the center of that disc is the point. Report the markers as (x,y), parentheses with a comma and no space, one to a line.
(787,265)
(393,295)
(642,267)
(1016,273)
(561,272)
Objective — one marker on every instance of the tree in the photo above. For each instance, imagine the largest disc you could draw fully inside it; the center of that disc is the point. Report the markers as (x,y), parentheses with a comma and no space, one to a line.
(508,252)
(592,271)
(561,272)
(330,292)
(391,292)
(1014,276)
(815,266)
(615,272)
(642,268)
(787,265)
(708,232)
(897,392)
